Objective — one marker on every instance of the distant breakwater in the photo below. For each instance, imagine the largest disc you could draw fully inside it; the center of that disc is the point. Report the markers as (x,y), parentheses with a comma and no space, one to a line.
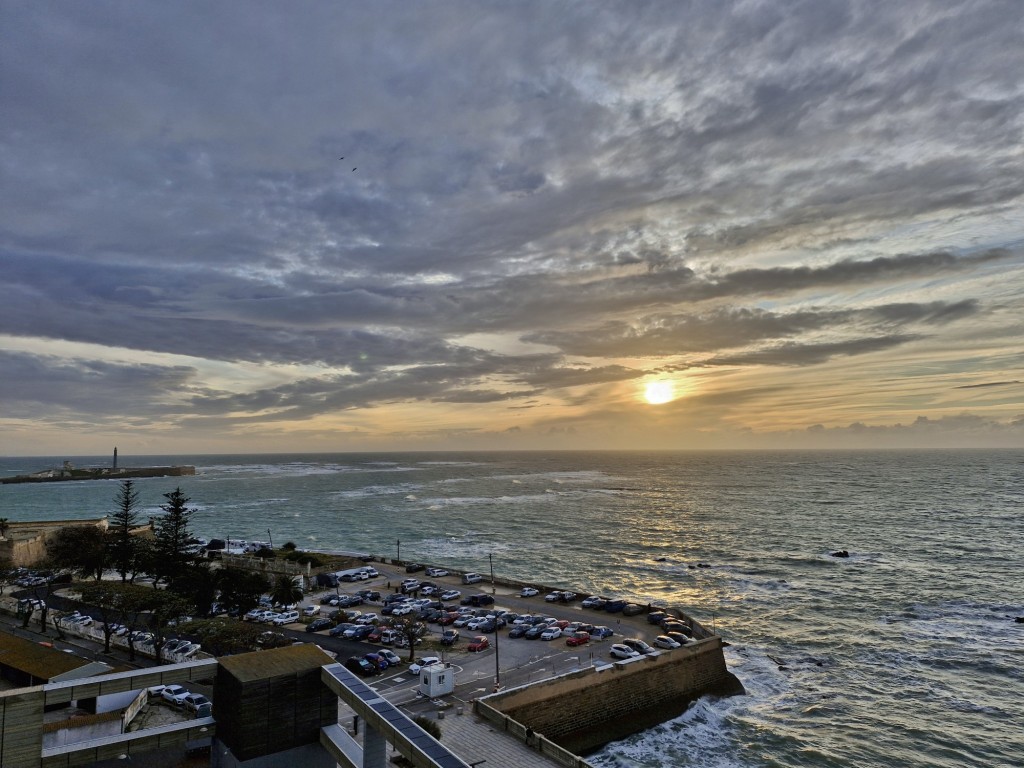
(98,473)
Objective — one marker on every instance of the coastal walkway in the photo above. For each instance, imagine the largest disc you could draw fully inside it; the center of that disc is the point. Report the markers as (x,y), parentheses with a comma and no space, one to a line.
(473,740)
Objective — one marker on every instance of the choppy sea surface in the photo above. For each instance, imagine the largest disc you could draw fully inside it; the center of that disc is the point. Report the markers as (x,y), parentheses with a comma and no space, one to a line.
(903,654)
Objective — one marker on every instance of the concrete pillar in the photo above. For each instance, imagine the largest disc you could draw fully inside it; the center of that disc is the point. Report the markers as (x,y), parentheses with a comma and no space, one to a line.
(375,749)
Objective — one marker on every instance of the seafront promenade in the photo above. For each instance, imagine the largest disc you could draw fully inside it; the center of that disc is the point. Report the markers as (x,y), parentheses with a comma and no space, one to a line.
(486,681)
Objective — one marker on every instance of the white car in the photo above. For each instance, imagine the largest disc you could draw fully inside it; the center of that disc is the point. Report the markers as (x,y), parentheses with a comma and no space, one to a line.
(552,597)
(426,661)
(175,694)
(451,594)
(528,592)
(311,610)
(664,641)
(368,618)
(551,633)
(619,651)
(436,572)
(402,610)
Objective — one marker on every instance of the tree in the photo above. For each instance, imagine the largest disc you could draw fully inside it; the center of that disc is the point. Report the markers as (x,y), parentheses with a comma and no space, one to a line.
(116,602)
(240,589)
(79,548)
(222,636)
(123,545)
(165,607)
(285,590)
(172,548)
(410,628)
(197,583)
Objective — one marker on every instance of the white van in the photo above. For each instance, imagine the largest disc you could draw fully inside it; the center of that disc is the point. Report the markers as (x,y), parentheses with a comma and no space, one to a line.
(288,617)
(472,578)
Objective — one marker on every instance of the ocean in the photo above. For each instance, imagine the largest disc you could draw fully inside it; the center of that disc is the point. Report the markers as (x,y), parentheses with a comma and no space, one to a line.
(905,653)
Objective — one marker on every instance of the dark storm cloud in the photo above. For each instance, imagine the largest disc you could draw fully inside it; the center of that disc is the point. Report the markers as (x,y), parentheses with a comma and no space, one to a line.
(661,335)
(613,180)
(794,354)
(34,386)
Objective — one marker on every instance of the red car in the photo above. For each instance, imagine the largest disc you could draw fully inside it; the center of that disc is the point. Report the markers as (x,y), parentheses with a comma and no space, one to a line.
(577,638)
(479,643)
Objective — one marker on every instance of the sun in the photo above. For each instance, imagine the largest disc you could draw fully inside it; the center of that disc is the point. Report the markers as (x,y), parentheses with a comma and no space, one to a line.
(658,392)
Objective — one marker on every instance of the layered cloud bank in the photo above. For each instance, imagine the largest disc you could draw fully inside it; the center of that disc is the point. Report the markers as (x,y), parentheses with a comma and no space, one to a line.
(254,226)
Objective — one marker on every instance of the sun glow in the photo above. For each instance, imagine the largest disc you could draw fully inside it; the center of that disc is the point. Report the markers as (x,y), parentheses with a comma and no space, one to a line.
(658,392)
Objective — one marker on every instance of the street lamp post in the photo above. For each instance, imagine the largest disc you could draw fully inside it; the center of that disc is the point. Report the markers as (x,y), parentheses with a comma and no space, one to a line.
(398,550)
(497,665)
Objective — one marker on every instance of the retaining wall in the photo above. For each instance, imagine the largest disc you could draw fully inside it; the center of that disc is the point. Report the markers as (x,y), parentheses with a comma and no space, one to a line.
(581,711)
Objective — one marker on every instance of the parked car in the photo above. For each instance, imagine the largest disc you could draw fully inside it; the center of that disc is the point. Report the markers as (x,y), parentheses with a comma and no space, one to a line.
(472,578)
(372,572)
(450,637)
(638,645)
(413,568)
(369,594)
(253,615)
(478,643)
(657,617)
(577,638)
(436,572)
(174,694)
(619,651)
(377,660)
(595,602)
(534,632)
(391,657)
(317,624)
(633,609)
(600,633)
(614,606)
(666,642)
(426,661)
(528,592)
(680,638)
(361,666)
(187,652)
(368,618)
(518,630)
(451,594)
(288,617)
(551,633)
(311,610)
(194,701)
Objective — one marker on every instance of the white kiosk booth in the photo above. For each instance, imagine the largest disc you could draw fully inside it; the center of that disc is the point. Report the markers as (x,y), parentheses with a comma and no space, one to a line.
(437,680)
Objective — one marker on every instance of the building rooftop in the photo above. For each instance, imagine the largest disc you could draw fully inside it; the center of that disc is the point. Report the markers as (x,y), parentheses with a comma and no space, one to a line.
(263,665)
(40,661)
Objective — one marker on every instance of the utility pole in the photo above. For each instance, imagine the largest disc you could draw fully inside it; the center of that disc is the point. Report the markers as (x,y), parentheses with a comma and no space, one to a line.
(271,538)
(497,665)
(398,550)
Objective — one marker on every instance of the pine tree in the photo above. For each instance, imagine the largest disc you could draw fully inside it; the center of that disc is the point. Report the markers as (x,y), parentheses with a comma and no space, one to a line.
(172,548)
(123,546)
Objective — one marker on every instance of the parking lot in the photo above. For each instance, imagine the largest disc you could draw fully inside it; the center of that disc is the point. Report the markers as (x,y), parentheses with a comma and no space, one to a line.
(506,661)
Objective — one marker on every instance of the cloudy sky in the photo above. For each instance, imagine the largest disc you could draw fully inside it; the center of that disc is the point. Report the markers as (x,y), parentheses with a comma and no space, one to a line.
(321,226)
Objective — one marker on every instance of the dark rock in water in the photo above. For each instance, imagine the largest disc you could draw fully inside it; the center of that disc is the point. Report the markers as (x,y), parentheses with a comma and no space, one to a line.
(840,553)
(692,567)
(661,559)
(1019,620)
(703,565)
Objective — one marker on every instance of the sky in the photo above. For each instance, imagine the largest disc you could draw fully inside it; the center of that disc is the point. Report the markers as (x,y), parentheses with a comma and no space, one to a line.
(321,226)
